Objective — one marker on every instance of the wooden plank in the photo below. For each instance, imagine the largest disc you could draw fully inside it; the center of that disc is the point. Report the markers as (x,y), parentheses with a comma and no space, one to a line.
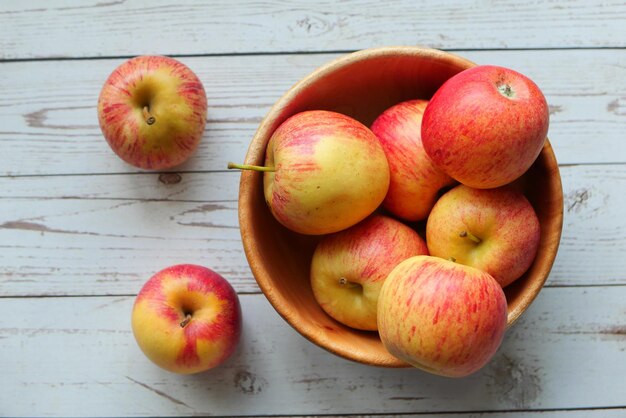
(94,28)
(69,356)
(592,248)
(567,413)
(113,246)
(105,235)
(167,186)
(48,123)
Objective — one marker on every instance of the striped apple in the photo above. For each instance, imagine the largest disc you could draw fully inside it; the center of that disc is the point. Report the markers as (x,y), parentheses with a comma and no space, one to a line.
(415,180)
(187,319)
(494,230)
(442,317)
(324,172)
(152,111)
(349,267)
(485,126)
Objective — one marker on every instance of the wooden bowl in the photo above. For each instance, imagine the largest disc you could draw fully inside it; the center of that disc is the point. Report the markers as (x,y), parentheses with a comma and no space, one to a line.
(362,85)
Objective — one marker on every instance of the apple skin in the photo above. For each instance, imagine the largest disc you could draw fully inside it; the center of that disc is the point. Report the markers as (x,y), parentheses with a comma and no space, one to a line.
(502,219)
(330,172)
(175,341)
(485,126)
(349,267)
(442,317)
(415,180)
(171,94)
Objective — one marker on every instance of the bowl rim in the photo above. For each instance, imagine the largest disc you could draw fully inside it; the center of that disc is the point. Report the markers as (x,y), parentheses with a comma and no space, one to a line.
(335,64)
(554,232)
(256,151)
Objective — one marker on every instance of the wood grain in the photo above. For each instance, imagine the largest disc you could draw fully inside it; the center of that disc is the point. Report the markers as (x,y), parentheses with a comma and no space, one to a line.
(48,122)
(106,234)
(112,28)
(113,246)
(62,351)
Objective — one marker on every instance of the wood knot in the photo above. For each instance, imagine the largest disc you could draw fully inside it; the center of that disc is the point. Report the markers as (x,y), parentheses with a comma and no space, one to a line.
(170,178)
(249,383)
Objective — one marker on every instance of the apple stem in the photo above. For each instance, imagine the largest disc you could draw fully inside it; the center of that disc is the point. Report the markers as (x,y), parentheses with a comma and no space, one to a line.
(466,234)
(185,321)
(250,167)
(506,90)
(147,116)
(452,259)
(344,282)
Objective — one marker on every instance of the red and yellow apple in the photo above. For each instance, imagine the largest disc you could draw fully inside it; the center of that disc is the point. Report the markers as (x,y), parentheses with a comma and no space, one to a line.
(152,111)
(324,172)
(442,317)
(187,319)
(485,126)
(495,230)
(415,181)
(349,267)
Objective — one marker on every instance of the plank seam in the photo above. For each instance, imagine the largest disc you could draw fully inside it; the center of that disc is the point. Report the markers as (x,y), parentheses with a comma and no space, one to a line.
(311,52)
(123,173)
(248,292)
(151,173)
(439,413)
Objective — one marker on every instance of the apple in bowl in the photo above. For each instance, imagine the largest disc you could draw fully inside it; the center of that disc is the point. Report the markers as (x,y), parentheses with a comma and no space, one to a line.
(324,172)
(485,126)
(414,180)
(152,111)
(494,230)
(442,317)
(349,267)
(187,319)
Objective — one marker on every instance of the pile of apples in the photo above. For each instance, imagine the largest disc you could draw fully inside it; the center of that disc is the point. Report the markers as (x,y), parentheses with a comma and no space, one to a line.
(450,163)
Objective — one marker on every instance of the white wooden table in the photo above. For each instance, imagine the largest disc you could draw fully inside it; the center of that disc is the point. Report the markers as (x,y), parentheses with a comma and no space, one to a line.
(80,231)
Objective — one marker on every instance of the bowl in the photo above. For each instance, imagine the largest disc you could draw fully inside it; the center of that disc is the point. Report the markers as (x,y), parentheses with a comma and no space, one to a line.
(362,85)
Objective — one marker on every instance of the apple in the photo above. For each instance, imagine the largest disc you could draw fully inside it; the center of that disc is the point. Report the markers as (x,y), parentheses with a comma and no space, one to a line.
(442,317)
(324,172)
(187,319)
(415,181)
(152,111)
(495,230)
(349,267)
(485,126)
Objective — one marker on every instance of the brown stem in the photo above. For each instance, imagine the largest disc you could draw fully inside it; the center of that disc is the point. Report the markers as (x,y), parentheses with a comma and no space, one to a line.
(147,116)
(467,234)
(250,167)
(345,283)
(185,321)
(506,90)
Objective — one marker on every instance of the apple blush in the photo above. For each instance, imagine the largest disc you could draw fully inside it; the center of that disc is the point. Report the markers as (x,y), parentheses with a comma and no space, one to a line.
(187,319)
(152,111)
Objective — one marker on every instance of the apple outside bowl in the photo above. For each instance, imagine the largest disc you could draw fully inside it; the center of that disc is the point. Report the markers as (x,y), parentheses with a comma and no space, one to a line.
(362,85)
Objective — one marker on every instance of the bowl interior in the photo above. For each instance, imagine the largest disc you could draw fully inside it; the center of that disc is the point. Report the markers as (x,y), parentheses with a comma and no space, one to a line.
(362,85)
